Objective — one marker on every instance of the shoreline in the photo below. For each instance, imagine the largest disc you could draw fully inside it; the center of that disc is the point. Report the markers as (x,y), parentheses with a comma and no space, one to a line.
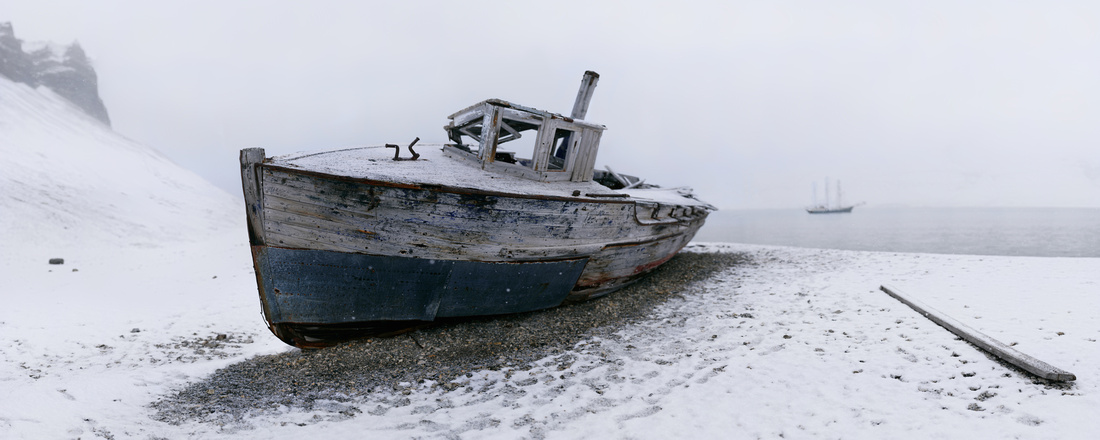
(1053,232)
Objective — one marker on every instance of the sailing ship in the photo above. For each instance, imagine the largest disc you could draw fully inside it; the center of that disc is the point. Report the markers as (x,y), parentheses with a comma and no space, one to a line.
(828,207)
(357,241)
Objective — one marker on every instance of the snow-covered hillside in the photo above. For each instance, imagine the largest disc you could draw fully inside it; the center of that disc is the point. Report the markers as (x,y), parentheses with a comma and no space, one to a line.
(67,180)
(155,259)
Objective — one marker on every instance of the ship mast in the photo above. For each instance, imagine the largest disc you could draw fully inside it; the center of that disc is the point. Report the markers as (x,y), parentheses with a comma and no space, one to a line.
(839,203)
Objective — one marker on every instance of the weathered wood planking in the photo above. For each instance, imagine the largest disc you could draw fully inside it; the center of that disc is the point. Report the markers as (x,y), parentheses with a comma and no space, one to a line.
(455,229)
(615,266)
(307,212)
(250,159)
(362,199)
(584,95)
(316,213)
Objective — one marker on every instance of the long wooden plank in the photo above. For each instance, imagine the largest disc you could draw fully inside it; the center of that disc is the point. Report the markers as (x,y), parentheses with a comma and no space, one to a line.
(1008,354)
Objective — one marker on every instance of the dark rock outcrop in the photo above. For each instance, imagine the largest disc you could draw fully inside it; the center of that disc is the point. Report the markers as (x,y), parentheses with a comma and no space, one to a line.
(66,71)
(14,63)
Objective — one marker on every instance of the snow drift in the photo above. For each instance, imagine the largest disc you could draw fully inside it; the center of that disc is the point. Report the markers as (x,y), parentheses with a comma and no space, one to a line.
(67,179)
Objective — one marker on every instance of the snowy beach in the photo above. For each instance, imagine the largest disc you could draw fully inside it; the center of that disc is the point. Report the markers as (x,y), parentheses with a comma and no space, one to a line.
(156,303)
(795,343)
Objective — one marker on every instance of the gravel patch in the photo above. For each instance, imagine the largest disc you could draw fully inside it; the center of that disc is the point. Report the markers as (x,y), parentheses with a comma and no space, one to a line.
(430,357)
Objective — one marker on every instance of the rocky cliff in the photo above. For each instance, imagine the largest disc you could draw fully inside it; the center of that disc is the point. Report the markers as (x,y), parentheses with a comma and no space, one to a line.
(64,69)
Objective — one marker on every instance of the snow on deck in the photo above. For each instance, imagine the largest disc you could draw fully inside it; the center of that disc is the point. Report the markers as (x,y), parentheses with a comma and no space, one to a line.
(432,168)
(798,344)
(435,168)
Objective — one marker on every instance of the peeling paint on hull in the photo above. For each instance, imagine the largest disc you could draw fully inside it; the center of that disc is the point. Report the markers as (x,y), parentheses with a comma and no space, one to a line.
(311,287)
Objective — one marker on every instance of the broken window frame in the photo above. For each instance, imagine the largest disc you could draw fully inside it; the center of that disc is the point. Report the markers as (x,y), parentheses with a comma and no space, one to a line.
(501,117)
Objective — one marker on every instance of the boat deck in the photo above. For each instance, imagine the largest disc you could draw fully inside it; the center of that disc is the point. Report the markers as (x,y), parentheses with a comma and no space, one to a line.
(434,169)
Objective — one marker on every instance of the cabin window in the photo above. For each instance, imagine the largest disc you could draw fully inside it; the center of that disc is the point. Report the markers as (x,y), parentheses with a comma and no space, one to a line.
(563,146)
(468,137)
(524,142)
(517,142)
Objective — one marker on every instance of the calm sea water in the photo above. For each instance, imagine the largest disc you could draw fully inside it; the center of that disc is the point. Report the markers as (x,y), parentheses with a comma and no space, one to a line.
(1039,232)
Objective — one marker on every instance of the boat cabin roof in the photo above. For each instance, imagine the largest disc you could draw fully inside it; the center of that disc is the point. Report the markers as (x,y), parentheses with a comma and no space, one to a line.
(503,137)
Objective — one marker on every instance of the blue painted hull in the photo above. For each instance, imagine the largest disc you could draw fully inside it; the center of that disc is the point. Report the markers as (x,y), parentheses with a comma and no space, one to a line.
(303,289)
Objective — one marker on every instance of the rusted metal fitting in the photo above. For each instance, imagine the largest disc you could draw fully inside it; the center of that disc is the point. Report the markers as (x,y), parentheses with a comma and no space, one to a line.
(397,150)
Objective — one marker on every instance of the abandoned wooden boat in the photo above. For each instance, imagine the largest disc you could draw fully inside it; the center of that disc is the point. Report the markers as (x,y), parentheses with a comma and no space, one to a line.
(359,240)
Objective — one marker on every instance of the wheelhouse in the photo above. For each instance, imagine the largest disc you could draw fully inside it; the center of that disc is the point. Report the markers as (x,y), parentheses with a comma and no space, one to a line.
(508,138)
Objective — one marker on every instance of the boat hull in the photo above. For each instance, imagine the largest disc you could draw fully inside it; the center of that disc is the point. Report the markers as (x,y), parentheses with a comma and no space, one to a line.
(338,257)
(311,286)
(844,210)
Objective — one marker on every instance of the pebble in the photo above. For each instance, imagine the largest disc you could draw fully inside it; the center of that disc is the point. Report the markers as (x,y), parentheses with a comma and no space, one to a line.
(440,353)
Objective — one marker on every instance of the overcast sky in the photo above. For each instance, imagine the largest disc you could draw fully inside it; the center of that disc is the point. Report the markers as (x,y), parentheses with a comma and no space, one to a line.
(908,103)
